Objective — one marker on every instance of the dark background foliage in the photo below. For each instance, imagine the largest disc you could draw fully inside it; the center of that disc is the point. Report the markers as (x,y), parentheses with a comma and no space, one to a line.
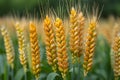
(22,7)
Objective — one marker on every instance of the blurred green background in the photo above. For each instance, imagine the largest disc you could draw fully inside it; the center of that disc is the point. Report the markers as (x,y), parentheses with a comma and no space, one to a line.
(21,7)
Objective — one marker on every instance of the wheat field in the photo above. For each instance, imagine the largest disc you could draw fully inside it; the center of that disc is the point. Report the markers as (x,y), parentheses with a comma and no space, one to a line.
(78,47)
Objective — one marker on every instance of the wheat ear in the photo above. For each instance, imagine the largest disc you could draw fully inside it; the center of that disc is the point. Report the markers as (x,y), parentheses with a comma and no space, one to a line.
(22,46)
(74,34)
(115,32)
(90,46)
(35,52)
(50,43)
(8,46)
(61,47)
(116,50)
(81,22)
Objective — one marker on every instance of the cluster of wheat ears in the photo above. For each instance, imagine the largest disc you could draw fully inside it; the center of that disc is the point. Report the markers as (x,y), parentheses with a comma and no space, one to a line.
(56,44)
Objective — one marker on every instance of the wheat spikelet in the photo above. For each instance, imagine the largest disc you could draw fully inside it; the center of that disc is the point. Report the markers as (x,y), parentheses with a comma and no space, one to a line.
(74,34)
(90,46)
(61,47)
(50,43)
(22,46)
(8,46)
(116,50)
(35,52)
(81,22)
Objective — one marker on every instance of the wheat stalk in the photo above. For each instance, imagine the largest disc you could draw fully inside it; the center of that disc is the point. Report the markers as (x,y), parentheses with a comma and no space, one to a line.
(61,47)
(22,46)
(35,52)
(8,47)
(50,43)
(90,46)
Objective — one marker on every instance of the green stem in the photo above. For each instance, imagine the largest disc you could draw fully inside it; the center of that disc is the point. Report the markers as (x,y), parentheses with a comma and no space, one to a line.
(65,78)
(78,76)
(0,74)
(116,78)
(73,72)
(8,72)
(37,79)
(84,77)
(73,66)
(12,74)
(25,76)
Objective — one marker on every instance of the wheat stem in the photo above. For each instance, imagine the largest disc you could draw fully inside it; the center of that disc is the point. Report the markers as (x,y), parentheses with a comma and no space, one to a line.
(78,76)
(12,74)
(25,76)
(73,73)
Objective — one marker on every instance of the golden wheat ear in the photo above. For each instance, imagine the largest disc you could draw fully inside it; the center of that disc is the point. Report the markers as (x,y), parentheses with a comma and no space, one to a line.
(61,47)
(115,32)
(81,23)
(90,46)
(8,47)
(74,34)
(50,43)
(35,52)
(22,45)
(116,51)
